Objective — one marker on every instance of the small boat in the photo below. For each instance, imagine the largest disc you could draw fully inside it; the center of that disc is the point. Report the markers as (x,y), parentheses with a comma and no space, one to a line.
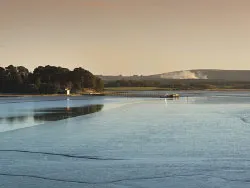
(174,95)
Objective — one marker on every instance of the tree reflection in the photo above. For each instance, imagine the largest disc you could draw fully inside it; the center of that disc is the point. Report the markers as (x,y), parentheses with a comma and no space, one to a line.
(54,114)
(14,119)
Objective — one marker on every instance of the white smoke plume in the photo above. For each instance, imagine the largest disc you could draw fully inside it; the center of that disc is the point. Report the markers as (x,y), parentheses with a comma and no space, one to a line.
(184,75)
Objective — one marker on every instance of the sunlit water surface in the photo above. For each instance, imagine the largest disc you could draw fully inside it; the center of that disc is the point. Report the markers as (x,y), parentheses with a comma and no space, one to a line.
(200,140)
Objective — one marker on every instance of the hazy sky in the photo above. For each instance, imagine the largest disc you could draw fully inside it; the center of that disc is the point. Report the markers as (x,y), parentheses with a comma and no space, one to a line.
(126,36)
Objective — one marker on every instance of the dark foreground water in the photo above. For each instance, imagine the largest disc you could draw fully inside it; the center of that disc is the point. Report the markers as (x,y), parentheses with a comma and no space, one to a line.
(200,140)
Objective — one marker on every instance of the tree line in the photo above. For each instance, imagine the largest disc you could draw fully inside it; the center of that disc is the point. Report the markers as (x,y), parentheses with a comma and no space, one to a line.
(132,83)
(181,84)
(47,80)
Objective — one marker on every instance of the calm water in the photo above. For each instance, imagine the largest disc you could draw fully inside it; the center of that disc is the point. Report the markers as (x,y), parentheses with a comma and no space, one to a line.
(200,140)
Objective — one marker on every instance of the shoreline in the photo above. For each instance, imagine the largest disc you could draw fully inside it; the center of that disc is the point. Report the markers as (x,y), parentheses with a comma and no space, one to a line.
(113,92)
(35,95)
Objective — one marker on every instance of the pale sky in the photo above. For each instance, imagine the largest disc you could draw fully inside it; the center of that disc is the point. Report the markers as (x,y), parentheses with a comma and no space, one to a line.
(126,36)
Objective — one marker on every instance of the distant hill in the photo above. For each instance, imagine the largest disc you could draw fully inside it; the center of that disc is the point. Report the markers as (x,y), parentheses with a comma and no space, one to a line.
(229,75)
(213,74)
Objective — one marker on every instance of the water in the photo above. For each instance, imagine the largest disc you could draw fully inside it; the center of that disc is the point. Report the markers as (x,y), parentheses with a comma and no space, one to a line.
(197,141)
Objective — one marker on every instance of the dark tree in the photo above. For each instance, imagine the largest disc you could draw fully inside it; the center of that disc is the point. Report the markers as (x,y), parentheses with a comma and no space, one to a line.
(46,80)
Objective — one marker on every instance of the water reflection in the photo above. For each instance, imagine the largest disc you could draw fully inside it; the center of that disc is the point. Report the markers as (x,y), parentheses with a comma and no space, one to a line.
(14,119)
(53,114)
(64,113)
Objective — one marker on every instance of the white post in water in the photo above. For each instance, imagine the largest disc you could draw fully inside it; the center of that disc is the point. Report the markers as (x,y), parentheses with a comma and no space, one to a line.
(67,91)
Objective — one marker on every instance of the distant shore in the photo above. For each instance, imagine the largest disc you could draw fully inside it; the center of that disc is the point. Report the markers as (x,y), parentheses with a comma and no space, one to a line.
(120,89)
(34,95)
(117,91)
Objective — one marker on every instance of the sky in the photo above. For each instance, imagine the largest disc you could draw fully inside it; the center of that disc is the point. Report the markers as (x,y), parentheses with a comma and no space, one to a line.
(113,37)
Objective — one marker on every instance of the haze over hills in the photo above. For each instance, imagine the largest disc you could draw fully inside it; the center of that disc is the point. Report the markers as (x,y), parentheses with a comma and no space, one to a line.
(213,74)
(229,75)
